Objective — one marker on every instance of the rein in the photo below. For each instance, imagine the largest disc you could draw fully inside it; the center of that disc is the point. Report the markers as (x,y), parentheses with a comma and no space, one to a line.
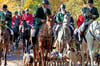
(92,35)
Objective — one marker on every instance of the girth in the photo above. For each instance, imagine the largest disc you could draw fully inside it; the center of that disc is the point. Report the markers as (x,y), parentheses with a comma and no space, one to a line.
(47,38)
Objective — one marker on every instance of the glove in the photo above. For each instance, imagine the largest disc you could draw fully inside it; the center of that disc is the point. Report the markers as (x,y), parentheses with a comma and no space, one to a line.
(93,16)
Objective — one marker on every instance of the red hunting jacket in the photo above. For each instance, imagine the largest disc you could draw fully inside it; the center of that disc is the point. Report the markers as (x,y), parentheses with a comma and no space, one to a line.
(14,19)
(28,18)
(80,20)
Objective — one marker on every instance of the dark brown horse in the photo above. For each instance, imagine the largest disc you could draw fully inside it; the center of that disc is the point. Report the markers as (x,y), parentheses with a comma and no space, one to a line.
(45,39)
(4,40)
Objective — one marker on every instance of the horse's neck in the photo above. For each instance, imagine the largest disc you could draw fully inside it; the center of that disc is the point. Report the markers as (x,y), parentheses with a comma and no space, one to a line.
(92,26)
(65,29)
(24,26)
(45,29)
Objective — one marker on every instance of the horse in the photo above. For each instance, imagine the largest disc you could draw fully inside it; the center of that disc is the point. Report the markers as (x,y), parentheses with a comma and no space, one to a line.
(25,32)
(16,32)
(45,39)
(64,35)
(4,40)
(92,39)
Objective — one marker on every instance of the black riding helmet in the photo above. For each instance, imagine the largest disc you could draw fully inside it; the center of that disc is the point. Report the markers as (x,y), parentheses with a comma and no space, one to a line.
(90,1)
(4,6)
(16,12)
(45,2)
(63,6)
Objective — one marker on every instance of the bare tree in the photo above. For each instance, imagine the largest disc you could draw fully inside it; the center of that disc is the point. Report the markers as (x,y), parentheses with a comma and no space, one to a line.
(85,1)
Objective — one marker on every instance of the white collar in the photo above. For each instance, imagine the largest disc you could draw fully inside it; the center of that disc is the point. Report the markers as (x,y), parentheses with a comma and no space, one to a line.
(44,9)
(5,12)
(90,7)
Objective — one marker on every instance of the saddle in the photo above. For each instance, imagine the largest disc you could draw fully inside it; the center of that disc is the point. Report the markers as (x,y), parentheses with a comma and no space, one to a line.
(71,29)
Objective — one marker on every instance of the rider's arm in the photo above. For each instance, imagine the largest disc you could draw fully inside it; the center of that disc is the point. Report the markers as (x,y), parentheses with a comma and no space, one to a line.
(58,18)
(20,20)
(38,20)
(96,13)
(71,20)
(13,21)
(31,19)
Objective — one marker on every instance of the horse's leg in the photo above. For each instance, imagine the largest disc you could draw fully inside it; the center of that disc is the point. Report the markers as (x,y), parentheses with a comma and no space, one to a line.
(71,43)
(41,57)
(27,45)
(0,53)
(0,56)
(91,56)
(5,56)
(16,41)
(34,57)
(24,44)
(0,61)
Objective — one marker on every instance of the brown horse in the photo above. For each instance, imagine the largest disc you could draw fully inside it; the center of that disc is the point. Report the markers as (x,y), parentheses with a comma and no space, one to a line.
(45,39)
(4,41)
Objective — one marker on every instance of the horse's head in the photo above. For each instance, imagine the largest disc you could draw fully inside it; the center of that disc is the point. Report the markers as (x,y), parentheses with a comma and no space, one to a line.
(24,23)
(97,31)
(66,19)
(50,21)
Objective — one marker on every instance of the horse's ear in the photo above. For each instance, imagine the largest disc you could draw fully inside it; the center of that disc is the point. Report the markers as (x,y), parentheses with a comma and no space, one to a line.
(47,15)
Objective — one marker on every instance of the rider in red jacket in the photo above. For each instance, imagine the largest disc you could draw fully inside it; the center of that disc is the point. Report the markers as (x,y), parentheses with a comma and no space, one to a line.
(28,17)
(16,16)
(80,20)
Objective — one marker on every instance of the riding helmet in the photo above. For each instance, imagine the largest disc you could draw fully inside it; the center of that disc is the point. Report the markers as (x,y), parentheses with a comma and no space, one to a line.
(45,2)
(63,6)
(26,9)
(4,6)
(16,12)
(90,1)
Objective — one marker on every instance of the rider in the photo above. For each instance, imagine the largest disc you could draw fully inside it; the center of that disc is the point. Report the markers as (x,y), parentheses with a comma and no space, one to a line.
(40,18)
(28,17)
(60,17)
(80,19)
(90,14)
(7,15)
(16,17)
(21,14)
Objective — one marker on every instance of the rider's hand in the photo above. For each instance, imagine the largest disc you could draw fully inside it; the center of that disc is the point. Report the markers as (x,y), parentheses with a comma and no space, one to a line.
(43,20)
(93,16)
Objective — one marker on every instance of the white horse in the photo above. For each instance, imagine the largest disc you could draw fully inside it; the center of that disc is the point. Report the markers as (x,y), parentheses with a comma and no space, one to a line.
(93,39)
(64,35)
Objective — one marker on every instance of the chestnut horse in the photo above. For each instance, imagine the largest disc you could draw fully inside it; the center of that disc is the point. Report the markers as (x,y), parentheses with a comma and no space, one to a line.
(4,40)
(45,39)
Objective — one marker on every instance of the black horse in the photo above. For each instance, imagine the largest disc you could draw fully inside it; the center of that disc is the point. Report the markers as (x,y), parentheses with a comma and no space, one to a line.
(25,33)
(16,32)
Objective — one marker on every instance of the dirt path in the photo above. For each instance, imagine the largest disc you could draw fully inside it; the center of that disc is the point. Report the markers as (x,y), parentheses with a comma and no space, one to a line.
(14,63)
